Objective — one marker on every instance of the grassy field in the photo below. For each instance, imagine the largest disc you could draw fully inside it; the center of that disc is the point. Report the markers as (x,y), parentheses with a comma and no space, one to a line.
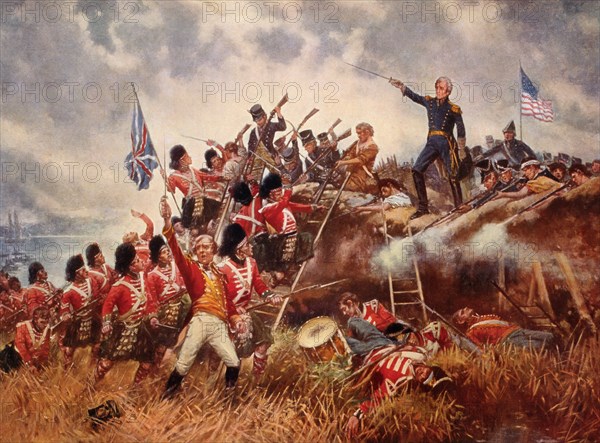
(505,395)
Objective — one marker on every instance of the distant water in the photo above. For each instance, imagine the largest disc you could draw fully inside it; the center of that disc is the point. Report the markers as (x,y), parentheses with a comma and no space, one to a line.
(53,252)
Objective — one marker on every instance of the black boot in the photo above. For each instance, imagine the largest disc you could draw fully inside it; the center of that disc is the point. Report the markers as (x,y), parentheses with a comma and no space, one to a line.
(173,385)
(231,376)
(419,180)
(456,192)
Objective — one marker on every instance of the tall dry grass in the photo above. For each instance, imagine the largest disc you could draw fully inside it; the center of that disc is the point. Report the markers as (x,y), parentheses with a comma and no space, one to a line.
(539,395)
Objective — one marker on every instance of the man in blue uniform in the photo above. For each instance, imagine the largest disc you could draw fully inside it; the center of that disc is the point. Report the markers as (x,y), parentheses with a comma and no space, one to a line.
(442,115)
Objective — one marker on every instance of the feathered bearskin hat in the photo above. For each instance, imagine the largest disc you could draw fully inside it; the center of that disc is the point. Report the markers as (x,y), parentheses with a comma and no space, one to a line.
(156,244)
(124,256)
(241,193)
(270,182)
(91,252)
(233,236)
(73,264)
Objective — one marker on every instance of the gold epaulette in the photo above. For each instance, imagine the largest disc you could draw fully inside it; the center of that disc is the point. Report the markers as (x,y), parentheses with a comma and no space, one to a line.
(428,97)
(455,108)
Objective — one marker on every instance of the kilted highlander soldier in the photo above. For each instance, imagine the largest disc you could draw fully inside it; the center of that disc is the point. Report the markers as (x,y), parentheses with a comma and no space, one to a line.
(212,312)
(287,247)
(32,339)
(265,151)
(249,216)
(79,308)
(128,336)
(198,209)
(242,278)
(443,115)
(41,292)
(166,287)
(99,271)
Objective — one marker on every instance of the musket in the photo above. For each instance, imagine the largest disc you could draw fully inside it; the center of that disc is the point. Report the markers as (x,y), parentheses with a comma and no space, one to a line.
(347,133)
(522,312)
(195,138)
(242,132)
(76,313)
(332,127)
(473,346)
(343,214)
(308,288)
(537,202)
(301,124)
(544,198)
(370,72)
(321,190)
(314,164)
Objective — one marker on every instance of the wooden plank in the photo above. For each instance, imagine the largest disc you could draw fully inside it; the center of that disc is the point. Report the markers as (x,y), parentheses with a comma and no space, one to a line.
(574,289)
(542,290)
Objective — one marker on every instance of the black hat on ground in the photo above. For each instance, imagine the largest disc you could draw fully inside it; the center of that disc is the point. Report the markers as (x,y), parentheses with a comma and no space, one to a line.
(124,256)
(73,264)
(233,235)
(257,112)
(156,244)
(270,182)
(175,154)
(104,413)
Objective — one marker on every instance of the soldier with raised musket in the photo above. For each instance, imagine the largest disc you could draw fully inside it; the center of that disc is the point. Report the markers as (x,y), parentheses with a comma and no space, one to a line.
(260,142)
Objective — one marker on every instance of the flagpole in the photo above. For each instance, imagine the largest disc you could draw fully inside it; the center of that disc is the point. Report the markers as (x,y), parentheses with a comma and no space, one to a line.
(520,101)
(156,155)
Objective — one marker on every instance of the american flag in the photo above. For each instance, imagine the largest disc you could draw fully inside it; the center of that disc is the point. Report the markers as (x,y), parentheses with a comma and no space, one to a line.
(142,159)
(532,105)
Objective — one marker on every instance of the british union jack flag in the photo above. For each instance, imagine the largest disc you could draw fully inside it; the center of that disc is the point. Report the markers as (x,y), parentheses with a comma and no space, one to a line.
(141,161)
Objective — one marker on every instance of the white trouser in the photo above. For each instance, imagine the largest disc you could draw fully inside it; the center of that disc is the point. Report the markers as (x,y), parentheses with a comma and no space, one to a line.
(206,328)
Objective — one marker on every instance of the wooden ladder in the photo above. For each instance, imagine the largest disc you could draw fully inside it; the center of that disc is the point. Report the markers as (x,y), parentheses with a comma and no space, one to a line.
(405,296)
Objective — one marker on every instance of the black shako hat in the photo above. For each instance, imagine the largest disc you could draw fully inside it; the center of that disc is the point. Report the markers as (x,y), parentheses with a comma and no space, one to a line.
(156,244)
(257,112)
(233,235)
(270,182)
(306,136)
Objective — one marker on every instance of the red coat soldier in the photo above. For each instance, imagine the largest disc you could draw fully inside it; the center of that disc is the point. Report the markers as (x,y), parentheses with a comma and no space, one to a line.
(127,338)
(80,307)
(32,339)
(98,270)
(41,292)
(242,277)
(167,290)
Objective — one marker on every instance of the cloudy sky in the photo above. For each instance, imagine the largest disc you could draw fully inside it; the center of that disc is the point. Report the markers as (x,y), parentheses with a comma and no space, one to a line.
(66,104)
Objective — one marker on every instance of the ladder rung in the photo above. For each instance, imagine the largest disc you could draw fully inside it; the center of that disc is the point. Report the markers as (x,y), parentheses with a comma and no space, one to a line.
(404,279)
(407,303)
(412,291)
